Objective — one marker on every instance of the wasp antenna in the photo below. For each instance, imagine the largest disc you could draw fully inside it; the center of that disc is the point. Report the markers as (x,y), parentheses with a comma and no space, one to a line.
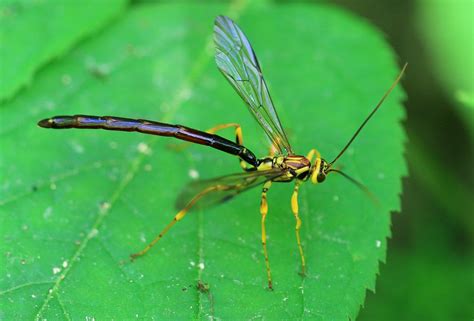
(371,114)
(359,185)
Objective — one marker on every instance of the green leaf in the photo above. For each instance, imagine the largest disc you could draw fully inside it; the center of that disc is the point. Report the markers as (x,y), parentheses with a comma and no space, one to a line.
(75,204)
(33,33)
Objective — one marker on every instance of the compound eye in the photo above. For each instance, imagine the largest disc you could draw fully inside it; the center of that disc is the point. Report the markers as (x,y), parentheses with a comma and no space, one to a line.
(321,177)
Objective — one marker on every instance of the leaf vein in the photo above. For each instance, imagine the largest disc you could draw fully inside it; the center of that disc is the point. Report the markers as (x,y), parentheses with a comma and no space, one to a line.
(63,307)
(91,234)
(17,287)
(55,179)
(179,98)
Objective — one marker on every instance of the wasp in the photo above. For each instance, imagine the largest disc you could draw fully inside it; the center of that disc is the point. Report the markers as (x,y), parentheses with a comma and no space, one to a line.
(238,62)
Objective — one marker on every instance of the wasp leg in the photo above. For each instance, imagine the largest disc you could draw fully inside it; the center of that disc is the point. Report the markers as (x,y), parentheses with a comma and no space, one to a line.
(294,209)
(264,211)
(238,131)
(315,168)
(313,152)
(238,139)
(177,218)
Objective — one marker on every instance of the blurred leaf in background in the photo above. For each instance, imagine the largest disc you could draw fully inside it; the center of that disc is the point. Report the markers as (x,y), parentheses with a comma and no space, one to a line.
(448,31)
(74,204)
(33,33)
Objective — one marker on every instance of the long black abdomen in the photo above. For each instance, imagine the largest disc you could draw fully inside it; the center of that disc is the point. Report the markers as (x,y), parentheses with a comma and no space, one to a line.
(150,127)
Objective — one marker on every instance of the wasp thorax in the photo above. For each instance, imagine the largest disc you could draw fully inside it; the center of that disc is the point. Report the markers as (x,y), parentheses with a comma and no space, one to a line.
(299,166)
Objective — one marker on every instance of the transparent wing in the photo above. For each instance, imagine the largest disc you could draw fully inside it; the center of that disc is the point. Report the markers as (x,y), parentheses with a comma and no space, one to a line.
(221,189)
(238,62)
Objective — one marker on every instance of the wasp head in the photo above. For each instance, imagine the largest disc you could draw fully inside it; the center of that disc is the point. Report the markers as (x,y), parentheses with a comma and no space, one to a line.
(319,170)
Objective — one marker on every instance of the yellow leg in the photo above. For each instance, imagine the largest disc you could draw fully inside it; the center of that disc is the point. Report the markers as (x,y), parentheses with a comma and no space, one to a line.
(238,131)
(239,139)
(294,209)
(264,211)
(313,152)
(177,218)
(315,169)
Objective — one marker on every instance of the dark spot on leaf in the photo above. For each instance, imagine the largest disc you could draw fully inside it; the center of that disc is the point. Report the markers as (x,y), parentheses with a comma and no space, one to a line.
(202,287)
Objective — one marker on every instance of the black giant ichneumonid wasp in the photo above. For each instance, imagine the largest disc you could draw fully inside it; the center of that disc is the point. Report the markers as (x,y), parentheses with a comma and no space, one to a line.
(237,61)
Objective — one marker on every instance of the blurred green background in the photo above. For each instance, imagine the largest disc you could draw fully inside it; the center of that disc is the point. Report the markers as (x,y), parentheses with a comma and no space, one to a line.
(428,274)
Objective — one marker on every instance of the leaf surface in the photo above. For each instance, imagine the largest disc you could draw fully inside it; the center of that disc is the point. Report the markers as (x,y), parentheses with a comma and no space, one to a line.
(74,204)
(33,33)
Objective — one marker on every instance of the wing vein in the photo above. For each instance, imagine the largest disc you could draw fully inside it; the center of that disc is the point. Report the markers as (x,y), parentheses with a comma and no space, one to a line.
(238,62)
